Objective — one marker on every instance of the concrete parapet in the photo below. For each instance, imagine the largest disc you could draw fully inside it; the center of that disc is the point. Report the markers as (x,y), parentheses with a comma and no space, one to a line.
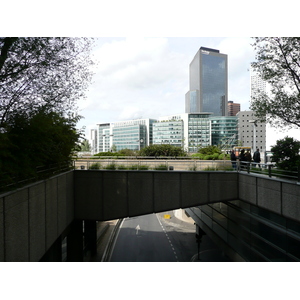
(247,188)
(269,194)
(33,217)
(291,201)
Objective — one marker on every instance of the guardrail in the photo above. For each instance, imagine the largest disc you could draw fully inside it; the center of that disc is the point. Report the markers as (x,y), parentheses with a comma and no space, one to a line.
(8,182)
(269,170)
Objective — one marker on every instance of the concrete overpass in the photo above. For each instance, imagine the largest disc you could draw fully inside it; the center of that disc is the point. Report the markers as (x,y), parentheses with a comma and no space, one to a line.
(35,219)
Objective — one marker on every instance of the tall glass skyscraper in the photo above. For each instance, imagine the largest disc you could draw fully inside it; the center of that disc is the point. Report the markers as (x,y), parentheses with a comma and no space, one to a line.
(208,83)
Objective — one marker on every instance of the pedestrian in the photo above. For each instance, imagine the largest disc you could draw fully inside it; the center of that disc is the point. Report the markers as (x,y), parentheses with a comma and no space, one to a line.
(256,157)
(233,159)
(242,159)
(248,156)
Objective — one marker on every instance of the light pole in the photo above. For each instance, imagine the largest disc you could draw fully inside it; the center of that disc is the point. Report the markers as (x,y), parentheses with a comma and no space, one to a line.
(254,122)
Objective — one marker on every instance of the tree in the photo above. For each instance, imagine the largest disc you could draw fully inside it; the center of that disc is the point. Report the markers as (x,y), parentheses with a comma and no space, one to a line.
(286,153)
(162,150)
(85,146)
(210,153)
(45,139)
(40,72)
(278,63)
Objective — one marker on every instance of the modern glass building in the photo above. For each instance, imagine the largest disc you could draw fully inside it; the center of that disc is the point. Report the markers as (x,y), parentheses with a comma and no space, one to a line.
(198,131)
(131,137)
(132,134)
(224,132)
(168,132)
(104,137)
(208,83)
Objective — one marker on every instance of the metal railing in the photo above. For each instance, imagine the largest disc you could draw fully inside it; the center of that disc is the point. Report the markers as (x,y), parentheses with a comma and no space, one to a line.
(269,170)
(8,182)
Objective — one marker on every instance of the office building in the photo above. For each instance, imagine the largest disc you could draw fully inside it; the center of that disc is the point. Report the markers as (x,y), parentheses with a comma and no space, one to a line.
(104,137)
(233,108)
(224,132)
(208,83)
(196,129)
(168,132)
(132,134)
(251,133)
(257,84)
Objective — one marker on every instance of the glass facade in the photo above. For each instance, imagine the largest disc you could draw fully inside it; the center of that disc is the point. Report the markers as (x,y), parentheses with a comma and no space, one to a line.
(214,84)
(198,131)
(224,131)
(131,137)
(103,137)
(208,83)
(168,132)
(253,232)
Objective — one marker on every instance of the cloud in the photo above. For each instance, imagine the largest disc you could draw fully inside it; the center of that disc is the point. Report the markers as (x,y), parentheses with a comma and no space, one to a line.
(149,77)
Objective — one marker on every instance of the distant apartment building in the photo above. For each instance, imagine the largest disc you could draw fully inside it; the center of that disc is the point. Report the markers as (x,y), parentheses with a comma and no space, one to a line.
(132,134)
(168,132)
(195,130)
(208,83)
(257,84)
(94,139)
(233,108)
(251,133)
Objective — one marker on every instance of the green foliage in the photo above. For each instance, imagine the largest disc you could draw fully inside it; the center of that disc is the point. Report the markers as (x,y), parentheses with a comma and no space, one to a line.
(210,153)
(278,63)
(160,167)
(95,166)
(286,153)
(29,142)
(111,167)
(162,150)
(126,152)
(108,154)
(35,72)
(85,146)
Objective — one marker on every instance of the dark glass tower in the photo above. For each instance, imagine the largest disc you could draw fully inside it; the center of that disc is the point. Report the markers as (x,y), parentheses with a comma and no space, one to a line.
(208,83)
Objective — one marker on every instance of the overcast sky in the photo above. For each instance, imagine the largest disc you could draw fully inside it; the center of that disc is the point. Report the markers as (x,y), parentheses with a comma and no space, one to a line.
(148,77)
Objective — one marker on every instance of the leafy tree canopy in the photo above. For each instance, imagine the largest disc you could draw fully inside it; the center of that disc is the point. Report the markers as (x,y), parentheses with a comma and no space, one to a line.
(40,72)
(286,153)
(210,153)
(278,63)
(44,139)
(162,150)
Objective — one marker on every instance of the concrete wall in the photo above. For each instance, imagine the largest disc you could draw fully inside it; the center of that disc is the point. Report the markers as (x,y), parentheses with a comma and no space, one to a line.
(33,217)
(281,197)
(107,195)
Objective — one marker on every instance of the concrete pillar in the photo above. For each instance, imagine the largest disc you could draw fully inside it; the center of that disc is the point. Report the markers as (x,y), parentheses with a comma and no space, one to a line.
(75,242)
(90,236)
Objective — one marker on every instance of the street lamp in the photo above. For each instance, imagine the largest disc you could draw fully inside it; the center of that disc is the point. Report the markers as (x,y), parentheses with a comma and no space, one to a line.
(254,122)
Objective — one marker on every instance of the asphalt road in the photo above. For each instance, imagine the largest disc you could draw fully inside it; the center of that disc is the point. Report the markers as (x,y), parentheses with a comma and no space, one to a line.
(152,238)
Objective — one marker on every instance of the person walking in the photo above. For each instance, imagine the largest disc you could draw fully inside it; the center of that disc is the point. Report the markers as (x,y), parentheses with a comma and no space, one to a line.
(256,157)
(242,159)
(233,159)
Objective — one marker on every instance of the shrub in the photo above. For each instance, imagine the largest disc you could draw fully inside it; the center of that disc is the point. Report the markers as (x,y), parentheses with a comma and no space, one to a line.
(95,166)
(111,167)
(160,167)
(122,167)
(143,167)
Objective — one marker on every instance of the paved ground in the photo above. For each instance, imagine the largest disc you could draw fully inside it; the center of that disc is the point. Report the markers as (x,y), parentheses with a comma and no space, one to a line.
(209,252)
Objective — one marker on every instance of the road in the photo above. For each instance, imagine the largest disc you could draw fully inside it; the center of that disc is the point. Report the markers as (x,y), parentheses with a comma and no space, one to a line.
(152,238)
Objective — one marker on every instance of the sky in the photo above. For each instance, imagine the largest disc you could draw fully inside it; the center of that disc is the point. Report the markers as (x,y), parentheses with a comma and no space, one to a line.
(144,77)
